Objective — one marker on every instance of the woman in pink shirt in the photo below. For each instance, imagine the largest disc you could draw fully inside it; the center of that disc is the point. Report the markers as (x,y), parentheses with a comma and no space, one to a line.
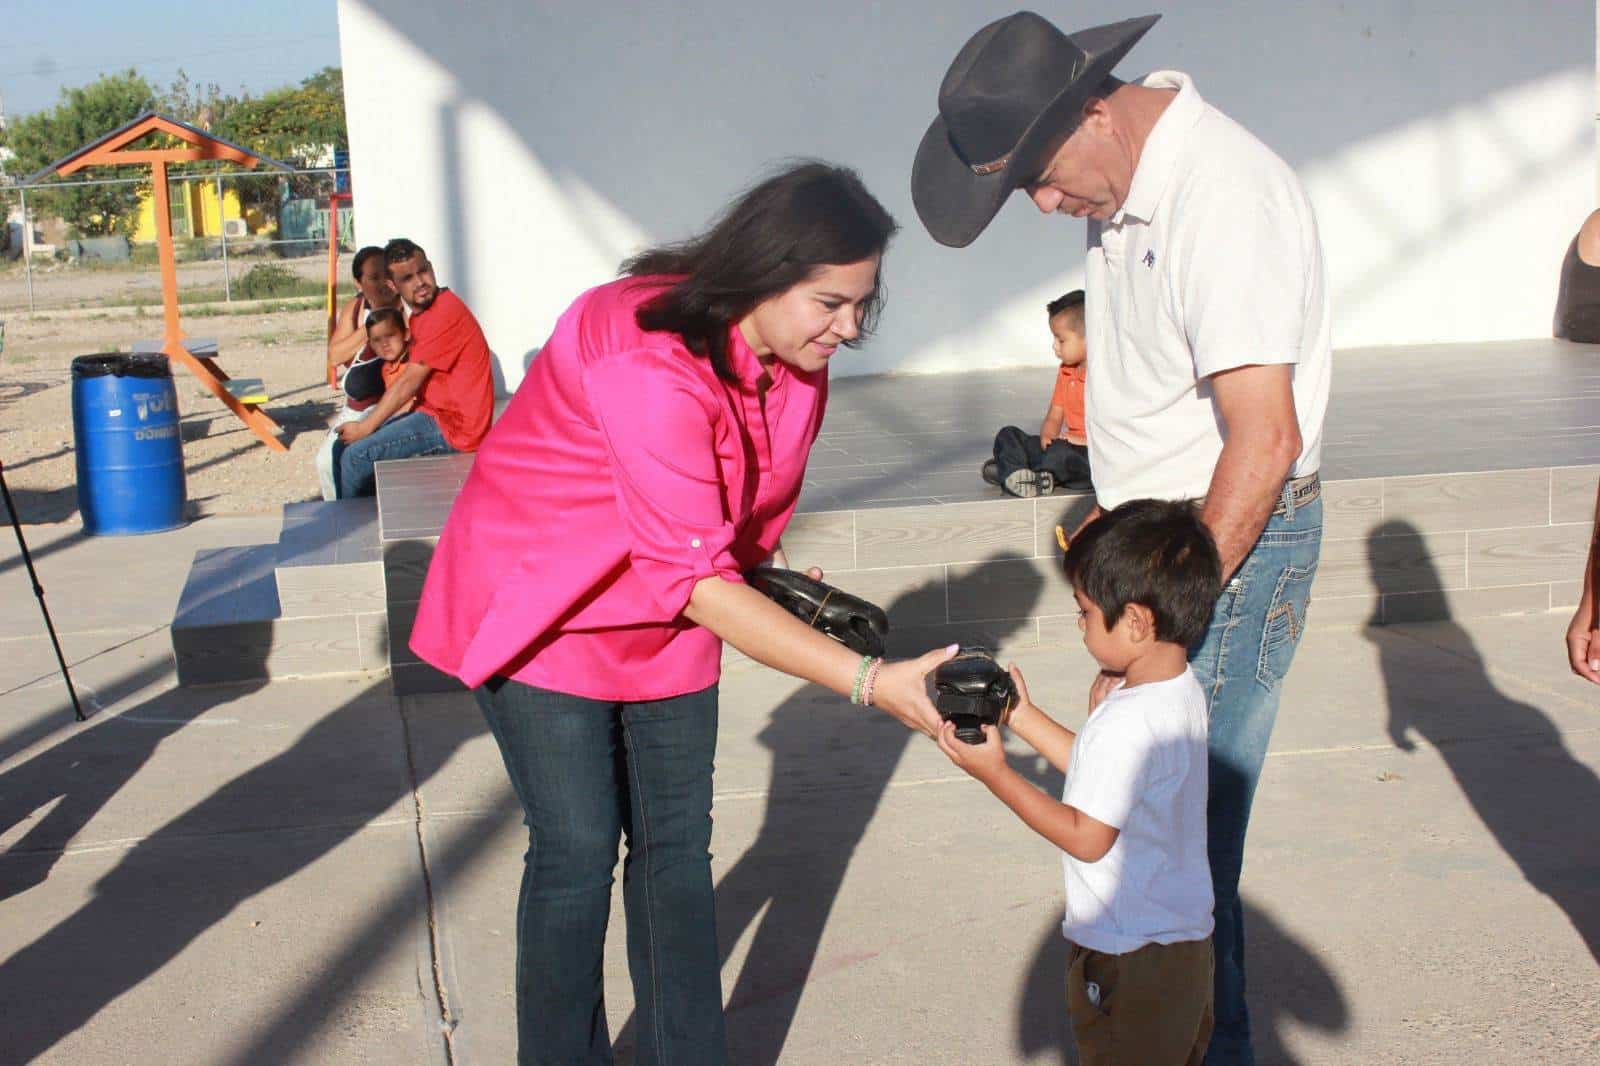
(592,567)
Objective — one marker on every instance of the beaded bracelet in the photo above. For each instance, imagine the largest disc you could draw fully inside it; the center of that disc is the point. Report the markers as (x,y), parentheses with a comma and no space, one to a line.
(872,680)
(861,679)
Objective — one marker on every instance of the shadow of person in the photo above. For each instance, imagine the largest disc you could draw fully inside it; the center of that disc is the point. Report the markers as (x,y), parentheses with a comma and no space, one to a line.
(348,768)
(72,780)
(1290,986)
(831,766)
(1522,782)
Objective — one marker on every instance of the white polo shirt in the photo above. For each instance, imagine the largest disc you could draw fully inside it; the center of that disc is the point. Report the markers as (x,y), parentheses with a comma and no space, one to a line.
(1213,262)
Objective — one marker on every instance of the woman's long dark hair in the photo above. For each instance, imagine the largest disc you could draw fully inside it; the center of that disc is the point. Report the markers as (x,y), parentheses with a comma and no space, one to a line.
(773,237)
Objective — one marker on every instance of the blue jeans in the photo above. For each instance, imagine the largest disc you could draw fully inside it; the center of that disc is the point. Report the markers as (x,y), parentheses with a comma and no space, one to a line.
(587,772)
(405,437)
(1016,448)
(1255,629)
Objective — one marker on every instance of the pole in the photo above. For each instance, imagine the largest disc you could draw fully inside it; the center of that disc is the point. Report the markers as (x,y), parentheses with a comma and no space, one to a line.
(38,592)
(27,245)
(222,223)
(164,252)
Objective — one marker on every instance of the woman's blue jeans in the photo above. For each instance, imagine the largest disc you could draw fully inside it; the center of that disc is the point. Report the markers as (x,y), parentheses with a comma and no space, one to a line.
(1254,632)
(587,773)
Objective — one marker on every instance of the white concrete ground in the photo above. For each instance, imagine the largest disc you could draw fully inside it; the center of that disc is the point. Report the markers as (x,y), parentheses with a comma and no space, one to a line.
(306,871)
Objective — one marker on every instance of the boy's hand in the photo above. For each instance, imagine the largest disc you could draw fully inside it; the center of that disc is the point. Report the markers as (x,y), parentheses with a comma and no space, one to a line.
(1025,705)
(984,761)
(1104,685)
(1050,428)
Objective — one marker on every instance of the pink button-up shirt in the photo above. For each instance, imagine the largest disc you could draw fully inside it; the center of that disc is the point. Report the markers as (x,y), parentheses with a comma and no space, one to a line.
(622,472)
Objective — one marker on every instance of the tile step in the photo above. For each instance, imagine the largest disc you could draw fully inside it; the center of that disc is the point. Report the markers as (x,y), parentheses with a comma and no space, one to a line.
(232,626)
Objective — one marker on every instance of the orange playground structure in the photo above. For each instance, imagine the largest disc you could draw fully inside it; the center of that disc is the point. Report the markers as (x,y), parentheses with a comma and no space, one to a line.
(120,147)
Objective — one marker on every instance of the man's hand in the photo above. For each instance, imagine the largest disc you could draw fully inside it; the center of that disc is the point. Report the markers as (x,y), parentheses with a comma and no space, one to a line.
(1104,685)
(1094,512)
(1583,644)
(986,761)
(351,432)
(1260,445)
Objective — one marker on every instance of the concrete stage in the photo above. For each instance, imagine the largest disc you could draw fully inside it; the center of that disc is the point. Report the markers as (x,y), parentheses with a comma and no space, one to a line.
(1459,482)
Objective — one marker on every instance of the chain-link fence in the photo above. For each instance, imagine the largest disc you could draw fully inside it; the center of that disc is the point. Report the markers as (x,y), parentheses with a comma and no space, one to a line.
(237,235)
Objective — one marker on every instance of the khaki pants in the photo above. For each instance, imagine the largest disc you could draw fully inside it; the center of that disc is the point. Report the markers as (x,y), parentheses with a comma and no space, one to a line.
(1150,1007)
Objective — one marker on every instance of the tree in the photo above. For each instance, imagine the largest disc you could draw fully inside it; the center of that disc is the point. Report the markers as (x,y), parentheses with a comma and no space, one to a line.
(299,126)
(84,114)
(201,104)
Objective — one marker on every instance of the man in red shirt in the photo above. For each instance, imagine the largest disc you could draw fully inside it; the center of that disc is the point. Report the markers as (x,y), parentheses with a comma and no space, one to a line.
(449,374)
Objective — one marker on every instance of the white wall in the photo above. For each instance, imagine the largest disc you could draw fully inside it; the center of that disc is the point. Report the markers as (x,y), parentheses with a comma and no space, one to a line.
(1448,145)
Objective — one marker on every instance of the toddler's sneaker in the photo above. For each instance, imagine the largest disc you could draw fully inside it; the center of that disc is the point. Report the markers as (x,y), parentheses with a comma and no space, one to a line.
(1028,483)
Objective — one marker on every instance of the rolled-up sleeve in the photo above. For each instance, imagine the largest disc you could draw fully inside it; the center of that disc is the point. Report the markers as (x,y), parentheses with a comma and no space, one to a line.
(659,425)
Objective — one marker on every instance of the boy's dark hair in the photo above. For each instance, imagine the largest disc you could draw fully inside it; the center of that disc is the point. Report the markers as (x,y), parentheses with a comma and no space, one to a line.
(391,315)
(400,249)
(776,235)
(1156,553)
(1068,302)
(361,259)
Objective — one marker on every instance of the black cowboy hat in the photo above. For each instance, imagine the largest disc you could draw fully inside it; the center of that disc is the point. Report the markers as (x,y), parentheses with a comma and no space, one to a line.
(1015,90)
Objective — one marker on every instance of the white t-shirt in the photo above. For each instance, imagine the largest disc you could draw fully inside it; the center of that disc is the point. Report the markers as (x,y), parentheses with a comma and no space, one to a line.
(1212,262)
(1140,765)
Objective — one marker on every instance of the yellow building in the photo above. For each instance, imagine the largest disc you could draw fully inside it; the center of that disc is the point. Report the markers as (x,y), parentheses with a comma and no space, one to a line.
(195,211)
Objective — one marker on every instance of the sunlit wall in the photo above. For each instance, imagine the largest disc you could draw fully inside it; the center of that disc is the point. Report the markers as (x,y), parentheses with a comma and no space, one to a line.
(1448,146)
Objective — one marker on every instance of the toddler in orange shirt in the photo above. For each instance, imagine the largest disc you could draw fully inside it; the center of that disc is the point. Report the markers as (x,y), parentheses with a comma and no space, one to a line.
(1036,464)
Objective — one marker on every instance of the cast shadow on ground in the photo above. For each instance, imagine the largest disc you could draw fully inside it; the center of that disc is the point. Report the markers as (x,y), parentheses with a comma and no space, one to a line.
(831,768)
(1535,813)
(169,888)
(1289,986)
(72,781)
(190,874)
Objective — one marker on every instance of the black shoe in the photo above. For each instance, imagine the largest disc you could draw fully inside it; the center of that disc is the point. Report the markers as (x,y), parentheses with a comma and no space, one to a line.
(991,471)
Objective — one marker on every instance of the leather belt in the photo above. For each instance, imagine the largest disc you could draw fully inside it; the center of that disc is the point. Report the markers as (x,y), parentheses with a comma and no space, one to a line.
(1302,490)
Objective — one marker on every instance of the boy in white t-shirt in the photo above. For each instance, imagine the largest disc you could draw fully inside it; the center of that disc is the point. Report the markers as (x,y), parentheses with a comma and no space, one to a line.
(1131,823)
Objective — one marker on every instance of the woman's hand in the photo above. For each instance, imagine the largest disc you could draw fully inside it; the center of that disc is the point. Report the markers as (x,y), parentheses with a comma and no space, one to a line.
(780,560)
(902,689)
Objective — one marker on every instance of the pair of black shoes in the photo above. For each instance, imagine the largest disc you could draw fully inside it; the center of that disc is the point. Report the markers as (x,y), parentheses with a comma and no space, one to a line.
(1021,481)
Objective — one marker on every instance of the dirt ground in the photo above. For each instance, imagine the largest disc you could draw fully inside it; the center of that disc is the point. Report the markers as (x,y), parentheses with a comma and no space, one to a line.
(59,285)
(229,471)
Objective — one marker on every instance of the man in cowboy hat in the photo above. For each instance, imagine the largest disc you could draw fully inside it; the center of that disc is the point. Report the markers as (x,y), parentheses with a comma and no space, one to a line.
(1208,334)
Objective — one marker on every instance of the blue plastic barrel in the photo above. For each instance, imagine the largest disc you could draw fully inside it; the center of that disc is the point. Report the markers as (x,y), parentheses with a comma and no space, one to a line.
(130,456)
